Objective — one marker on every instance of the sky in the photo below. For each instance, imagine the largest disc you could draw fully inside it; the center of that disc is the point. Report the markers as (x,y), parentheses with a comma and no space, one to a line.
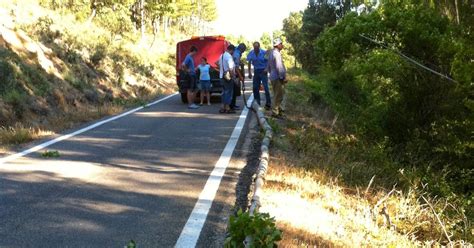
(252,18)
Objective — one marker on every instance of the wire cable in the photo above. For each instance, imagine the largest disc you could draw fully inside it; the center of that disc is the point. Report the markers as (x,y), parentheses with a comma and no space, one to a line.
(409,59)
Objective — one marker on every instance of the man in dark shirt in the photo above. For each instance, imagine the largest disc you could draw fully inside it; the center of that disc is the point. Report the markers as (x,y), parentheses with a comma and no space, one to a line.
(188,67)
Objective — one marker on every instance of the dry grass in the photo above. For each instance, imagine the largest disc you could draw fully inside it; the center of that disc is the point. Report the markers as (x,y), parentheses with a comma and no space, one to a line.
(314,206)
(314,214)
(84,114)
(19,134)
(323,214)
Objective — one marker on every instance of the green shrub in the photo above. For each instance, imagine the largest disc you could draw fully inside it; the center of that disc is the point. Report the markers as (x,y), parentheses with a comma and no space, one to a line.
(100,53)
(17,100)
(7,76)
(426,119)
(42,28)
(403,116)
(260,227)
(75,81)
(16,135)
(354,158)
(50,154)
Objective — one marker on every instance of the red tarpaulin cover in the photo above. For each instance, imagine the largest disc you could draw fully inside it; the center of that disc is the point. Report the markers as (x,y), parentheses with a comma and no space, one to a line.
(210,47)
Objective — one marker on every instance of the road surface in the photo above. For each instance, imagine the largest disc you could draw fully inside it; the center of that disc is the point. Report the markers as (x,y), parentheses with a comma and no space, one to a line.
(137,177)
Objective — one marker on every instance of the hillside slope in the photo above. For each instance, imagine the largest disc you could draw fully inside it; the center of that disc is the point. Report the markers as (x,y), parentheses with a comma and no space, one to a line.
(57,72)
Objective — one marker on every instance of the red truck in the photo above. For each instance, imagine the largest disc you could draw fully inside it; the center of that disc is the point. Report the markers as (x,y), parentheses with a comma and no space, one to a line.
(210,47)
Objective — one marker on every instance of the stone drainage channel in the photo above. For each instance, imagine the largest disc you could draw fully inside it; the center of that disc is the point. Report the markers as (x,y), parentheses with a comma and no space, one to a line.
(251,169)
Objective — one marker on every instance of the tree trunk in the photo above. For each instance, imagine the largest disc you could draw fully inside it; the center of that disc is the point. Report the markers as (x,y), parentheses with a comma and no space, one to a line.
(93,11)
(142,18)
(156,29)
(456,4)
(165,25)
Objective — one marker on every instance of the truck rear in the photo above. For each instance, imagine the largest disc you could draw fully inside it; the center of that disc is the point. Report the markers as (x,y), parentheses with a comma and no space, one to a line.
(210,47)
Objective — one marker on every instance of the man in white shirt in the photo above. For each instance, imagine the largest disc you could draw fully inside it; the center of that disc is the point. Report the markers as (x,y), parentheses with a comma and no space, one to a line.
(227,76)
(277,71)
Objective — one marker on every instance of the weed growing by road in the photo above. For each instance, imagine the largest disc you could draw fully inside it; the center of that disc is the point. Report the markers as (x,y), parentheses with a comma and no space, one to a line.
(260,227)
(131,244)
(50,154)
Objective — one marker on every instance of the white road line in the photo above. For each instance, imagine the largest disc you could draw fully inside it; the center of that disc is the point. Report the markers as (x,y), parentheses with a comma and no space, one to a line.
(67,136)
(191,231)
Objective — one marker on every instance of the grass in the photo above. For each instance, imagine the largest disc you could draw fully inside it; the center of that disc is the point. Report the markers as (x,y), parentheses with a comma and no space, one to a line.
(82,75)
(71,119)
(326,214)
(19,134)
(327,189)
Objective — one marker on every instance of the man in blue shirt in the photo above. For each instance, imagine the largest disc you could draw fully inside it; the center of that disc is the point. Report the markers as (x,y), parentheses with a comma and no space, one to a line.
(256,57)
(188,67)
(237,56)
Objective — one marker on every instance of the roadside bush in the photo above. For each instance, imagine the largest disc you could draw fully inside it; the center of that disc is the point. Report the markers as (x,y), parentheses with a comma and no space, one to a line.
(16,135)
(337,153)
(426,118)
(260,227)
(403,117)
(17,100)
(7,76)
(100,53)
(42,28)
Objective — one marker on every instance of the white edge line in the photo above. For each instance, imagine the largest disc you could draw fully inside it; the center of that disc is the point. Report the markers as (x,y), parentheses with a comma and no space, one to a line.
(192,230)
(67,136)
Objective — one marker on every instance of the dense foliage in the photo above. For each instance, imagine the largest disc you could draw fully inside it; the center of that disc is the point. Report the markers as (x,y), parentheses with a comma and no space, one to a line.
(422,120)
(153,15)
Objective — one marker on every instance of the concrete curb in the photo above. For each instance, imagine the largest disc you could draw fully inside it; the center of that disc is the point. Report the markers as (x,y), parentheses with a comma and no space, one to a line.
(263,165)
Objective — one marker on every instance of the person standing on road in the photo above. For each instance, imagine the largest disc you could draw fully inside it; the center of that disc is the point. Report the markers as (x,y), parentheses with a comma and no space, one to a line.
(257,58)
(204,80)
(277,71)
(237,56)
(227,77)
(188,67)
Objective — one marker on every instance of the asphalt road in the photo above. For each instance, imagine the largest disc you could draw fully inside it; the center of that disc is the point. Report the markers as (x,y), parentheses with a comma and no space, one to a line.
(137,177)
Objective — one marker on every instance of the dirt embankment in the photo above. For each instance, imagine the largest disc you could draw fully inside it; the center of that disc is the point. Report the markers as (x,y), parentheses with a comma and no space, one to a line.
(49,86)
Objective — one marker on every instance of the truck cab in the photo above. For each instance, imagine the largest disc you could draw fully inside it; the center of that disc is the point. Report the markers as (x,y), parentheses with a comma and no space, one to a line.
(210,47)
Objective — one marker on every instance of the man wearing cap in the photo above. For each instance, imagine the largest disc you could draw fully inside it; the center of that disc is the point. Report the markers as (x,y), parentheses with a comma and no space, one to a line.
(257,58)
(277,71)
(237,56)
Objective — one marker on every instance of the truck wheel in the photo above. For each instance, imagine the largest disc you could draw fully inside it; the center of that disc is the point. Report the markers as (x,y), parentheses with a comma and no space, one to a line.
(184,97)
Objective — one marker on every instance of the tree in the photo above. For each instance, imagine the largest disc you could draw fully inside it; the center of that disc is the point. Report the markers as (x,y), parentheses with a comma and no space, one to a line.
(207,10)
(266,41)
(292,31)
(316,17)
(188,16)
(97,6)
